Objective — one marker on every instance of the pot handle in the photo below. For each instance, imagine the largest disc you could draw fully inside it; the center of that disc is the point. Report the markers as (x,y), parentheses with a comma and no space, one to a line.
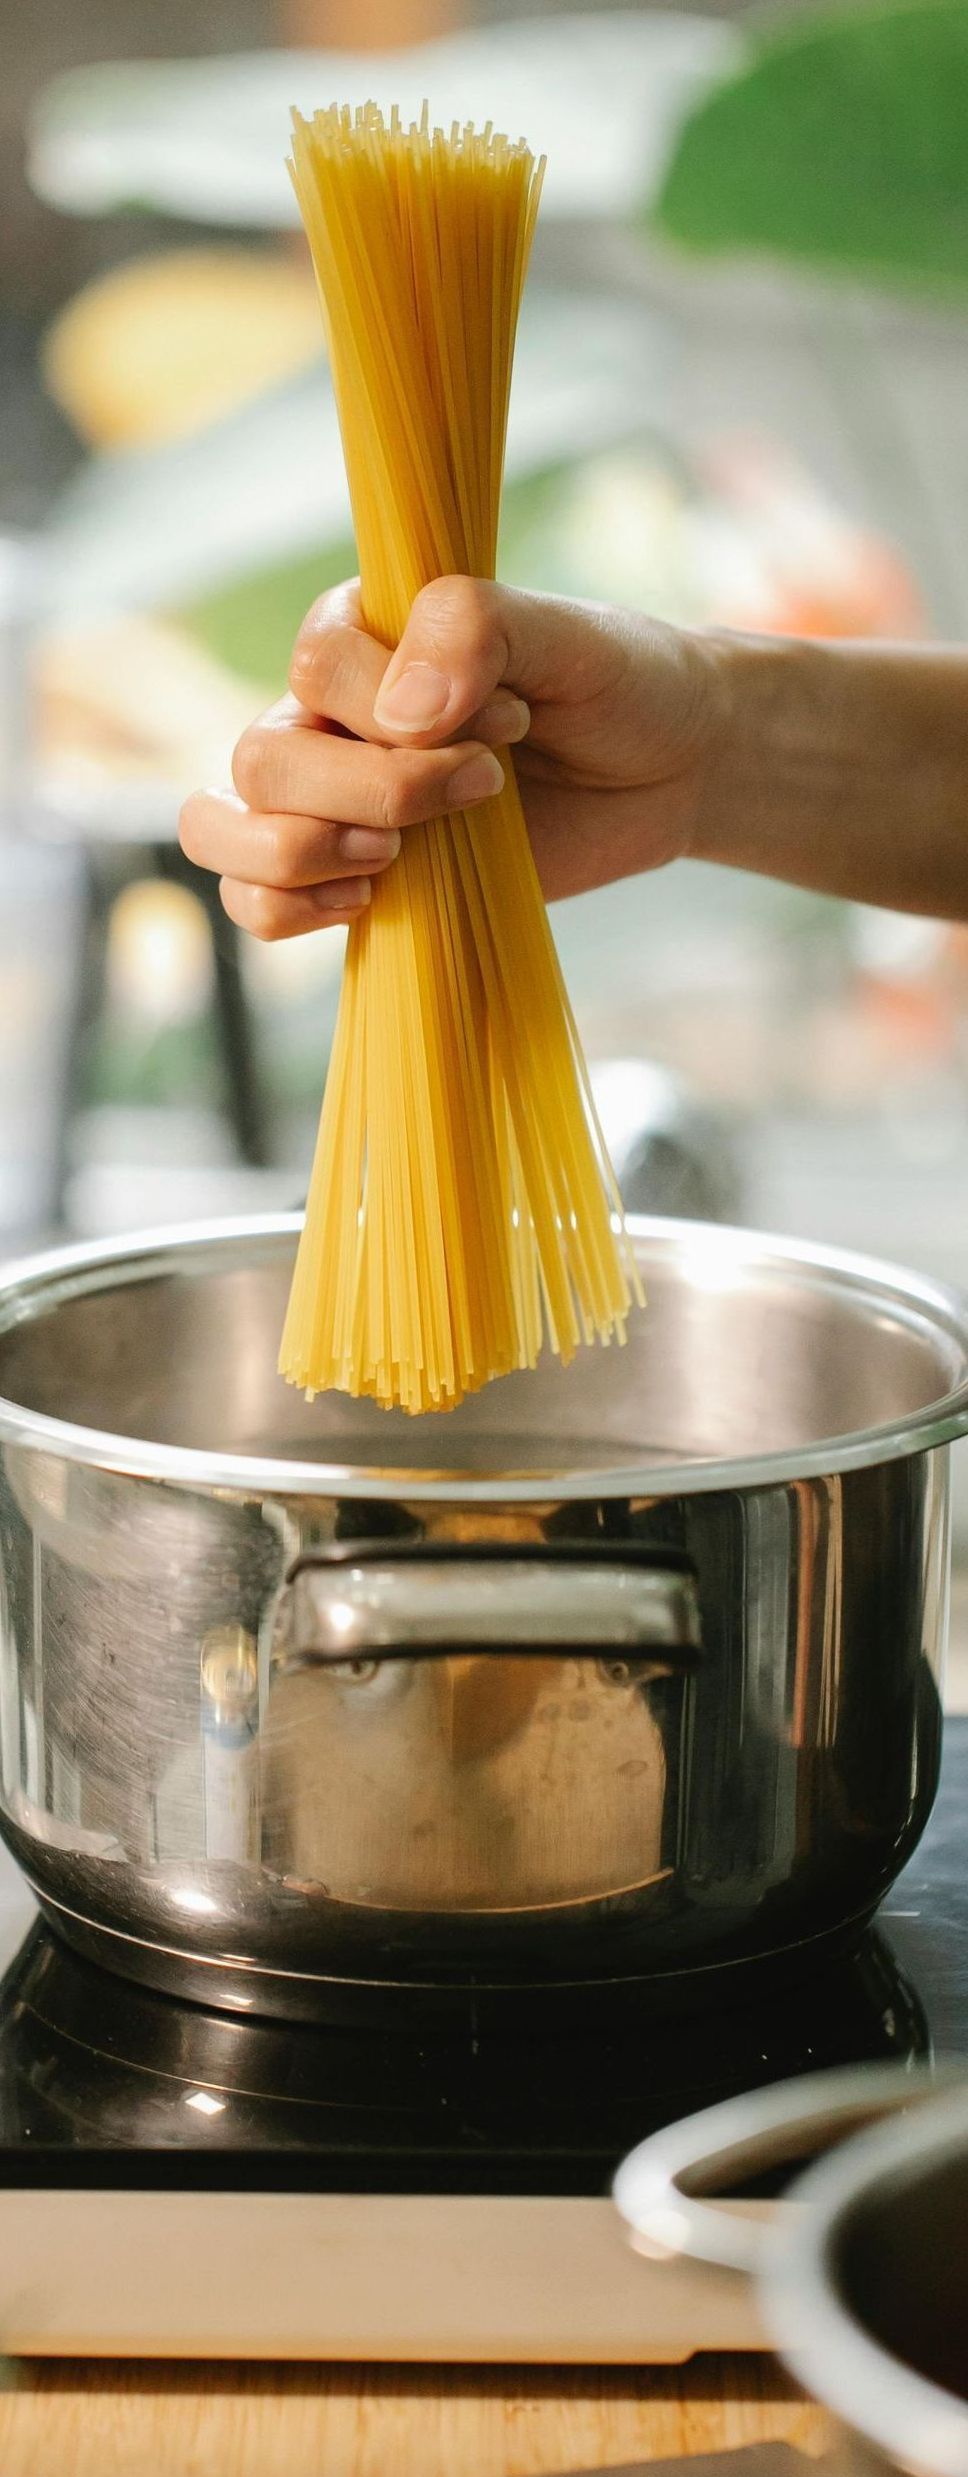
(662,2189)
(354,1601)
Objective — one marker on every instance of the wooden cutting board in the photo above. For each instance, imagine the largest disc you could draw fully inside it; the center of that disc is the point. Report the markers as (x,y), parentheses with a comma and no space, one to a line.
(119,2420)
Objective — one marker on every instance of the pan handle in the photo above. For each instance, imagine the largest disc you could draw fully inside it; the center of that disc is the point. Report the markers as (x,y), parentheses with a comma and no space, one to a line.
(403,1600)
(664,2189)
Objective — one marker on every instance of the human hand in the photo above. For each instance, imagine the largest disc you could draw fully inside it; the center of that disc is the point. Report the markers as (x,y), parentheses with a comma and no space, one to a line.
(614,720)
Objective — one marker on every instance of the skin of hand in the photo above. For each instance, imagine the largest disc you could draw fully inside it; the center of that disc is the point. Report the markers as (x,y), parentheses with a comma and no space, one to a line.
(614,719)
(840,767)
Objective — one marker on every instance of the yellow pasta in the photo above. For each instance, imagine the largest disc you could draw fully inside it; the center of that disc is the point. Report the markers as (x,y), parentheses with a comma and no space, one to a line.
(462,1210)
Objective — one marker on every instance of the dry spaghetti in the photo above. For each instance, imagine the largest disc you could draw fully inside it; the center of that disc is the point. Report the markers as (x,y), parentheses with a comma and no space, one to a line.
(462,1210)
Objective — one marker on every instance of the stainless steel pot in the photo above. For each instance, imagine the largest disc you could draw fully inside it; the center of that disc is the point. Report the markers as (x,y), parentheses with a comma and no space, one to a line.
(863,2280)
(624,1669)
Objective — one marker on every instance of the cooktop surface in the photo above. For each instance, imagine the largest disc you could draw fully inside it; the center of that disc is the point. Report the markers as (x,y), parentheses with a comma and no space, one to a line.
(103,2084)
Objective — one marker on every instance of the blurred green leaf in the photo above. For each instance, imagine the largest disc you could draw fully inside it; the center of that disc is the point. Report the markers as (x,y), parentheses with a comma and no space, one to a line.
(250,625)
(844,144)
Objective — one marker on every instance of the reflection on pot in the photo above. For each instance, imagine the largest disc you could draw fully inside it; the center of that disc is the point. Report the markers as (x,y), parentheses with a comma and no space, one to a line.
(464,1784)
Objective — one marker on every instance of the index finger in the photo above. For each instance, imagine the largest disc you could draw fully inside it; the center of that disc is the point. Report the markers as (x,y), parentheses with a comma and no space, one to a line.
(337,666)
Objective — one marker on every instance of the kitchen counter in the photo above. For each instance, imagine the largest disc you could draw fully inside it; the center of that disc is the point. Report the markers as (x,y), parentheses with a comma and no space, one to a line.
(118,2420)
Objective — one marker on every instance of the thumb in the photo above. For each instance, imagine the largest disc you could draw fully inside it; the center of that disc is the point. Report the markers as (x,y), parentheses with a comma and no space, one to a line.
(465,646)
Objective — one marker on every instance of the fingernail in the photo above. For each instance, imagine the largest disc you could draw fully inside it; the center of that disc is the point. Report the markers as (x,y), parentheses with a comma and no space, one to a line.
(479,779)
(507,719)
(350,894)
(414,701)
(369,843)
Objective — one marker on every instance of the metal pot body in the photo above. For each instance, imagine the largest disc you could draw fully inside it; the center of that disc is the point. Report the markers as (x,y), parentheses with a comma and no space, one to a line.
(863,2287)
(871,2304)
(277,1717)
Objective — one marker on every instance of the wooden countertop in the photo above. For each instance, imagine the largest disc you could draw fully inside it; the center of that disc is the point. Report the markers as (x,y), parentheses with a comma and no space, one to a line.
(71,2419)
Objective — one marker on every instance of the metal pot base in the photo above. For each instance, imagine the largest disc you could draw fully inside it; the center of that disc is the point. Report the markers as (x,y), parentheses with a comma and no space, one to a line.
(348,2002)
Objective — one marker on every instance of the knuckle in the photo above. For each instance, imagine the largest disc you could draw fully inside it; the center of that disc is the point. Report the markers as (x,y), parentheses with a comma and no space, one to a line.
(419,778)
(325,658)
(462,607)
(282,854)
(311,635)
(317,618)
(307,669)
(339,602)
(248,765)
(262,911)
(296,846)
(395,803)
(189,823)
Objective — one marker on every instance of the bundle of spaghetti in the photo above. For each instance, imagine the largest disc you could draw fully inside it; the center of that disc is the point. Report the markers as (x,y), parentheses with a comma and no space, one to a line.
(462,1211)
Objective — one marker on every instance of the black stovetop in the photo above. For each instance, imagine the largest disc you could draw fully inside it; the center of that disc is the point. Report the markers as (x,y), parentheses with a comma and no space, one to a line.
(102,2083)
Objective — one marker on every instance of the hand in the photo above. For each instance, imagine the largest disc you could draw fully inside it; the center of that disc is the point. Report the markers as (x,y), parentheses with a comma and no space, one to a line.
(614,720)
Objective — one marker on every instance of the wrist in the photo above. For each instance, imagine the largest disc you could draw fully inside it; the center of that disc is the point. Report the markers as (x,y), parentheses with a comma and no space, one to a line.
(840,767)
(770,714)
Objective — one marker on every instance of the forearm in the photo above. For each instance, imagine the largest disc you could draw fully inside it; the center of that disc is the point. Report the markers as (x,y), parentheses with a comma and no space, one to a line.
(843,768)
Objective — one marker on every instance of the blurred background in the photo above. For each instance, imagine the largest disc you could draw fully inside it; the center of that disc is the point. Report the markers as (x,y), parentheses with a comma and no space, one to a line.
(740,398)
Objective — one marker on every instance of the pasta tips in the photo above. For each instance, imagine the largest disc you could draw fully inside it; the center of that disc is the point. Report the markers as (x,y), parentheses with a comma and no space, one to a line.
(462,1212)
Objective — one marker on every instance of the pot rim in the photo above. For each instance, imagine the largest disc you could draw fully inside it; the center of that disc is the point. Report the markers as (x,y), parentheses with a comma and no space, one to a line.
(876,2395)
(59,1274)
